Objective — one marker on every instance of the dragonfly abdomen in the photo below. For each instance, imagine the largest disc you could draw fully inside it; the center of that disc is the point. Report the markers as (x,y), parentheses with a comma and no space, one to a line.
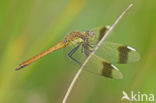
(59,45)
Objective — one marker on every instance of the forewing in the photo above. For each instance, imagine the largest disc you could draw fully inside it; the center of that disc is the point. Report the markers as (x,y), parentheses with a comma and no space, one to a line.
(102,67)
(99,32)
(117,53)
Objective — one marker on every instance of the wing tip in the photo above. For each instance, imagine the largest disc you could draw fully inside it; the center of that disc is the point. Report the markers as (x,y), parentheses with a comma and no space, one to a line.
(117,74)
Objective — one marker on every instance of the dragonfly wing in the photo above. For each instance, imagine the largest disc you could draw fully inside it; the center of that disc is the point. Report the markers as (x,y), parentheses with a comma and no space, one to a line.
(78,55)
(117,53)
(99,32)
(96,64)
(102,67)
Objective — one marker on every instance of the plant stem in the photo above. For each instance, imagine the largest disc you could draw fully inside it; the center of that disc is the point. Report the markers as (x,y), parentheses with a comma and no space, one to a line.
(92,53)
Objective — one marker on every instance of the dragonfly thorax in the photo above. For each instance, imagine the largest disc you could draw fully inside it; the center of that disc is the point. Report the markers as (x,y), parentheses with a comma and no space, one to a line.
(77,38)
(73,38)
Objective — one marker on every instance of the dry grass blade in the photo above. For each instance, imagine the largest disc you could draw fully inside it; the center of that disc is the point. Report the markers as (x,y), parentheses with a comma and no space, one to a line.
(96,48)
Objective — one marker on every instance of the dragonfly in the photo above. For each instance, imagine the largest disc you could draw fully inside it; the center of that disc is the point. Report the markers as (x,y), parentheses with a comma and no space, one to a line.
(83,43)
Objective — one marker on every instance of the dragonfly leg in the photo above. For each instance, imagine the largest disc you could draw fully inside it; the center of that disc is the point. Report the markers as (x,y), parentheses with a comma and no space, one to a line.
(87,51)
(82,48)
(70,54)
(90,45)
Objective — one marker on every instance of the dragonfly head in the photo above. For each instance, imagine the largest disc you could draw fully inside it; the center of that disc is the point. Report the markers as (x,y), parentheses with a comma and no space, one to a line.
(90,36)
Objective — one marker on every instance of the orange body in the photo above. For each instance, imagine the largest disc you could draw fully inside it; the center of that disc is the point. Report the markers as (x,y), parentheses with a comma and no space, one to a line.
(71,38)
(59,45)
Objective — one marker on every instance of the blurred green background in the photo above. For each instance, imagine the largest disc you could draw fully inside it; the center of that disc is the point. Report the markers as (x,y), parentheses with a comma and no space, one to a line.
(28,27)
